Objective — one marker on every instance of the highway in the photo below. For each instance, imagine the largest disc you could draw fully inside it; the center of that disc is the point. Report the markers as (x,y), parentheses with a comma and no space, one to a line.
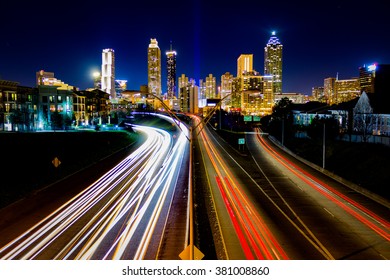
(270,206)
(122,215)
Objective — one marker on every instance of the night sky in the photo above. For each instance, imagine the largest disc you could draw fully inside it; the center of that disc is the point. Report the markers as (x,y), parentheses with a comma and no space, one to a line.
(320,38)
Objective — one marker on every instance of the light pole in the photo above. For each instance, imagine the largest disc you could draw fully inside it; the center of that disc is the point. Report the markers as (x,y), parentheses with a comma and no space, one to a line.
(282,130)
(323,148)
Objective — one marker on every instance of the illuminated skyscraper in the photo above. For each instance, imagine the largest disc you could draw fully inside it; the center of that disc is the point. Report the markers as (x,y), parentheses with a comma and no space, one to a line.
(208,88)
(108,72)
(273,62)
(154,68)
(367,78)
(329,90)
(244,64)
(171,75)
(226,89)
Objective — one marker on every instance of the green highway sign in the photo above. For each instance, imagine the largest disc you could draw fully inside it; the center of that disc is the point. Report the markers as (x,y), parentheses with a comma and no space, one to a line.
(247,118)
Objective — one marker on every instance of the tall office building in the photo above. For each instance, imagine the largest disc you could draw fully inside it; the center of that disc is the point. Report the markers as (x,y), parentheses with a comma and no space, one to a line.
(367,78)
(317,93)
(244,64)
(171,73)
(188,96)
(226,90)
(208,88)
(273,62)
(154,68)
(346,90)
(329,90)
(108,72)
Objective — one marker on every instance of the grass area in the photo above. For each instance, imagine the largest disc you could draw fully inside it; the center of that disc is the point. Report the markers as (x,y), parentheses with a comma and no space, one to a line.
(27,157)
(365,164)
(151,120)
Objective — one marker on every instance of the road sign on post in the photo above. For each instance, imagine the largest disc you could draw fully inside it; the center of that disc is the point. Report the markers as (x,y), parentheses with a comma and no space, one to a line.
(241,141)
(56,162)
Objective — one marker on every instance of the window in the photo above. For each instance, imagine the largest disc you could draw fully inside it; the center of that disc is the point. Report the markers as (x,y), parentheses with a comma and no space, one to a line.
(44,99)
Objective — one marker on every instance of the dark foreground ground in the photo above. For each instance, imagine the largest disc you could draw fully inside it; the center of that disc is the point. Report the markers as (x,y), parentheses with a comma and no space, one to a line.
(27,158)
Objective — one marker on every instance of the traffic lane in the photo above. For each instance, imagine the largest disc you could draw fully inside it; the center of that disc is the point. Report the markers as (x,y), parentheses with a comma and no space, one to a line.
(345,236)
(231,244)
(23,214)
(295,245)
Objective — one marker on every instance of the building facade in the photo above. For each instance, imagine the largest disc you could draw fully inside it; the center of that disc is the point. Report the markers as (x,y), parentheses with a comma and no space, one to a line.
(226,90)
(18,107)
(244,64)
(346,90)
(188,96)
(273,62)
(208,88)
(108,72)
(171,73)
(329,92)
(154,68)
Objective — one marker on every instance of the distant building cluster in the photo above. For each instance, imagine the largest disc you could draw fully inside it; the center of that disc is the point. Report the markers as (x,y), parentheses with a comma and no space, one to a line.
(335,90)
(54,103)
(361,105)
(248,92)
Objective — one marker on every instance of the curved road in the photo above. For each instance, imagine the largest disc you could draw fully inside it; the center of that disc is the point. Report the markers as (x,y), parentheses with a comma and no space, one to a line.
(120,216)
(269,206)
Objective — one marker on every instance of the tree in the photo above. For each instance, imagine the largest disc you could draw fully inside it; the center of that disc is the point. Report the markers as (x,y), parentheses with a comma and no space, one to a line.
(316,128)
(363,117)
(16,118)
(282,120)
(57,120)
(68,121)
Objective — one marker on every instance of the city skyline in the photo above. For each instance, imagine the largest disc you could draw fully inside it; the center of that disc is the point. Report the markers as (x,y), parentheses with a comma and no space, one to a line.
(319,40)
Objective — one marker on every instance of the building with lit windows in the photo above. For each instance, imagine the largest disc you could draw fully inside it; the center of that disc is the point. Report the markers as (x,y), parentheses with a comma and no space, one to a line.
(171,73)
(273,62)
(329,93)
(18,107)
(346,90)
(337,91)
(375,78)
(52,101)
(120,86)
(208,87)
(244,64)
(226,90)
(48,79)
(317,93)
(367,78)
(108,72)
(188,96)
(154,68)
